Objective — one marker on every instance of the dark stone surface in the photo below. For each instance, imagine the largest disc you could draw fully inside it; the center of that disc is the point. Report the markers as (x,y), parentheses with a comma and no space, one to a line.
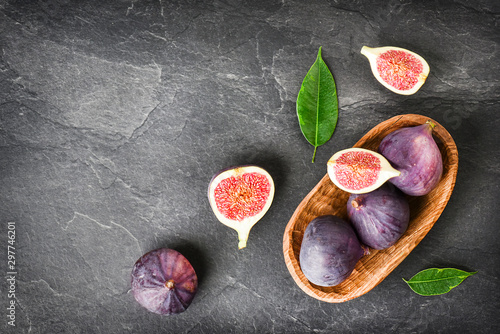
(114,115)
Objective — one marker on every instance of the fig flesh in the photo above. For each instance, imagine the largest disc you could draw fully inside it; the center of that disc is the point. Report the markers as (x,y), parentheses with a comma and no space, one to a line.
(240,197)
(358,170)
(330,249)
(400,70)
(379,217)
(415,154)
(164,282)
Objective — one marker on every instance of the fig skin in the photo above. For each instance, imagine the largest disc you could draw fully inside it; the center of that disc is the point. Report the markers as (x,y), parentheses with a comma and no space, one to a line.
(330,249)
(415,154)
(379,217)
(164,282)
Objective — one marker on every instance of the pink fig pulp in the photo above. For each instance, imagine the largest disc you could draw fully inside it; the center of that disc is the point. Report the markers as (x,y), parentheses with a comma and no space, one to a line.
(240,196)
(358,170)
(399,70)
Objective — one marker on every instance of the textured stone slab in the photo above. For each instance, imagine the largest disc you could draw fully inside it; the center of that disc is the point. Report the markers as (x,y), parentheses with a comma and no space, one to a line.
(115,115)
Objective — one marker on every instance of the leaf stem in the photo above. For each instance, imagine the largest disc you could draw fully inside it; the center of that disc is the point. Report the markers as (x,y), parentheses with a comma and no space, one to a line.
(314,154)
(318,102)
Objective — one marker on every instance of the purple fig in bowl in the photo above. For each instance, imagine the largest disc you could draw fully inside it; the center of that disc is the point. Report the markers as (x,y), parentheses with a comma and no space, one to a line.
(379,217)
(164,282)
(413,152)
(330,249)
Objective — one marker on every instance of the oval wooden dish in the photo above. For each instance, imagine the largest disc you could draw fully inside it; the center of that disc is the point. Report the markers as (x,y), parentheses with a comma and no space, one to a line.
(326,198)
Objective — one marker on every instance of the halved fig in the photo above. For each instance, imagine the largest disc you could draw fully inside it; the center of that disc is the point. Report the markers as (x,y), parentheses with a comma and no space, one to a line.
(358,170)
(164,282)
(400,70)
(240,196)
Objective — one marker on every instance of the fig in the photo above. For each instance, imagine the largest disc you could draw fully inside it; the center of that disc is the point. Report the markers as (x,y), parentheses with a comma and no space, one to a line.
(240,196)
(400,70)
(379,217)
(164,282)
(330,249)
(358,170)
(413,151)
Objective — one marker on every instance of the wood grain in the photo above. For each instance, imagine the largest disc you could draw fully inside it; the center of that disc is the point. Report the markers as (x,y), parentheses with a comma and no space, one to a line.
(326,198)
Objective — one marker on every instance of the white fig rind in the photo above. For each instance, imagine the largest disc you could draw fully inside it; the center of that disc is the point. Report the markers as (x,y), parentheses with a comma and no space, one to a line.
(372,55)
(386,171)
(244,226)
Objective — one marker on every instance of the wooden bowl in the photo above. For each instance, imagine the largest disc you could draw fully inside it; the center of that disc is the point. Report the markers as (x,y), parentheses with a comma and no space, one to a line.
(326,198)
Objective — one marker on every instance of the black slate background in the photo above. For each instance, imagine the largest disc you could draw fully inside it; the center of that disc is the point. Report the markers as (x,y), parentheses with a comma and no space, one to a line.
(114,115)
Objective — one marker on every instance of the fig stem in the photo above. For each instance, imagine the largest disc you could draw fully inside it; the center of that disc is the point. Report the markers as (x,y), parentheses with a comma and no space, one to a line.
(169,284)
(242,244)
(366,250)
(242,238)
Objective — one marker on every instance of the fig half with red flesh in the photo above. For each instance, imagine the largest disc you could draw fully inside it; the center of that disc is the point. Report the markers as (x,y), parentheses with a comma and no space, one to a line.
(401,71)
(240,196)
(164,282)
(358,170)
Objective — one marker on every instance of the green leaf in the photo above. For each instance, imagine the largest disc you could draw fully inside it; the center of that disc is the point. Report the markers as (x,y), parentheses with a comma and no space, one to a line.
(435,281)
(317,104)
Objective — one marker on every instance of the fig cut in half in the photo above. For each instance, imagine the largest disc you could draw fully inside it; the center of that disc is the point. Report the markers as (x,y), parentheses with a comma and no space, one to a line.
(400,70)
(358,170)
(240,196)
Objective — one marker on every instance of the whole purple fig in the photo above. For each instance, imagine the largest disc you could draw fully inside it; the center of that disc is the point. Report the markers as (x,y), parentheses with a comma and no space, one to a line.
(330,249)
(379,217)
(414,153)
(164,282)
